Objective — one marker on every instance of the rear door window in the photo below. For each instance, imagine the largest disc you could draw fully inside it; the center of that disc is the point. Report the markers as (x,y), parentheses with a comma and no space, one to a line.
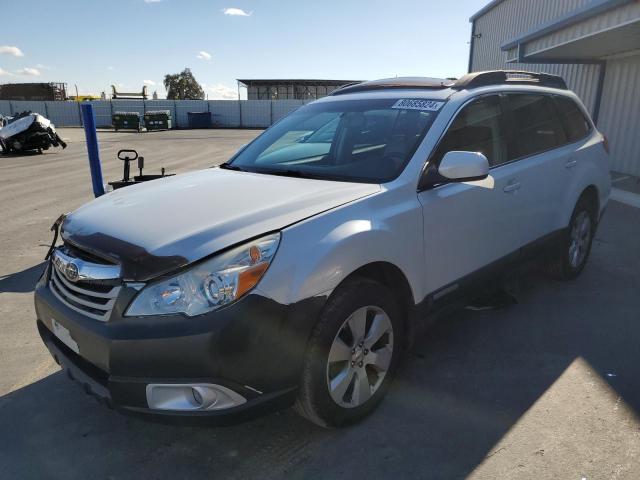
(575,124)
(536,123)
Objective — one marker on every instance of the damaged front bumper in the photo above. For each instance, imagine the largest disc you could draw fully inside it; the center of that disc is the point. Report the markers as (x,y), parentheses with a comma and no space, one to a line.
(238,361)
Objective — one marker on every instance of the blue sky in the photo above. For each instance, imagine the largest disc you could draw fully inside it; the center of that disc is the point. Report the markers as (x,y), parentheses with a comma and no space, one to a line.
(96,43)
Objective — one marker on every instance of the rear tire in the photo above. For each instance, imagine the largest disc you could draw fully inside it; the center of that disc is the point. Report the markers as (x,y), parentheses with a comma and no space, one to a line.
(571,253)
(352,354)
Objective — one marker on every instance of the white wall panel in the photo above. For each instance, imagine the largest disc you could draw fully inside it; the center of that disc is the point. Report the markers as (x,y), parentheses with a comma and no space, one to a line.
(102,111)
(5,108)
(23,106)
(257,113)
(183,107)
(63,114)
(225,113)
(282,108)
(620,114)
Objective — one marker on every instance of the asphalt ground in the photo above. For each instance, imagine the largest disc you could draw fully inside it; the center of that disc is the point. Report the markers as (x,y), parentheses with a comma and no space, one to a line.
(547,388)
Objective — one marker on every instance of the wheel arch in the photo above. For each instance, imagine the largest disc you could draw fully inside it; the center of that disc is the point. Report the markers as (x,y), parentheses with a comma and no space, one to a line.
(392,277)
(590,194)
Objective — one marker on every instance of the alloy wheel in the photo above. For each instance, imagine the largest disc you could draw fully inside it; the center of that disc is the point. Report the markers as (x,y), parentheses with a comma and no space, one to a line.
(360,356)
(579,239)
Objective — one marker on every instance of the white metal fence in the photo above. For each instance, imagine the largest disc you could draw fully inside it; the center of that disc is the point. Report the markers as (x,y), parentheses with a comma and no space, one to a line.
(224,113)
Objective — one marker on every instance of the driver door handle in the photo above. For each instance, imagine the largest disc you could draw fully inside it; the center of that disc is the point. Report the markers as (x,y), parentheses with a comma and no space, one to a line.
(512,187)
(572,162)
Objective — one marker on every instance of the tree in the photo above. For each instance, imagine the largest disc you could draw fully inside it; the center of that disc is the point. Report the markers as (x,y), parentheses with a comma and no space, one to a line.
(183,86)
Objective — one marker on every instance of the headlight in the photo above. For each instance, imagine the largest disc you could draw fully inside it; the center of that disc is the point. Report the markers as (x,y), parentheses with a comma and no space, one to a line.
(210,284)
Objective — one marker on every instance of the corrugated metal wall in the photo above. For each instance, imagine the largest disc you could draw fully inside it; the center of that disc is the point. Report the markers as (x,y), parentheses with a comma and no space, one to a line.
(620,113)
(225,113)
(620,108)
(513,18)
(612,18)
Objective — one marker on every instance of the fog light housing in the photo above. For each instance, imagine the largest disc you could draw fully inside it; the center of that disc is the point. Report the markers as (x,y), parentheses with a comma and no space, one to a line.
(191,397)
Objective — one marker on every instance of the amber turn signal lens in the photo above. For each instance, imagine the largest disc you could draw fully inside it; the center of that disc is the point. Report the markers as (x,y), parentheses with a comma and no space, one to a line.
(250,277)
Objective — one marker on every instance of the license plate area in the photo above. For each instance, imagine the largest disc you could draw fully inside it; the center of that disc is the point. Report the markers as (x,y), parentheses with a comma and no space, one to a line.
(64,335)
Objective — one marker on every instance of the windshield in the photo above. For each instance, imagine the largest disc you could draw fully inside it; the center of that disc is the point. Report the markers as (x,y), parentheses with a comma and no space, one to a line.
(352,140)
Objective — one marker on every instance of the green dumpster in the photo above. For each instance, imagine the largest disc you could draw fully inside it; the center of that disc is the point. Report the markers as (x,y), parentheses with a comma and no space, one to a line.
(126,121)
(157,120)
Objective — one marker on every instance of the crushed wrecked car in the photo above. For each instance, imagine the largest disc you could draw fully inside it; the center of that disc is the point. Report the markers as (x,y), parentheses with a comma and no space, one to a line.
(28,131)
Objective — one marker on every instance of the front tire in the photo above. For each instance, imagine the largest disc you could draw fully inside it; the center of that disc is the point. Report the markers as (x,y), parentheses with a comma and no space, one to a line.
(572,251)
(352,354)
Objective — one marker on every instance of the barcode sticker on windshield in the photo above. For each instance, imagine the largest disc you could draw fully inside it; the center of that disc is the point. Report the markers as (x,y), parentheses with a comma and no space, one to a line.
(417,104)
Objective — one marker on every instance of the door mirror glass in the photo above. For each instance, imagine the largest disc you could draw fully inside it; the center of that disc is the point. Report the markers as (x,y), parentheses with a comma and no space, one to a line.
(464,166)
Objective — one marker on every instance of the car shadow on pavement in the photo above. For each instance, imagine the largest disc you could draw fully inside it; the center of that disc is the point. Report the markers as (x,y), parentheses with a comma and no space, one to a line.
(21,282)
(468,381)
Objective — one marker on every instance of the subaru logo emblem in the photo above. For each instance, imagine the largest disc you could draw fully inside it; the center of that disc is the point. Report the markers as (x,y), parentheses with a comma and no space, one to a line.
(71,272)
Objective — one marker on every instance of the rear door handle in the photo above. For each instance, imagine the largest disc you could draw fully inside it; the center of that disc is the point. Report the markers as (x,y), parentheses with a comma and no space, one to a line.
(512,187)
(571,163)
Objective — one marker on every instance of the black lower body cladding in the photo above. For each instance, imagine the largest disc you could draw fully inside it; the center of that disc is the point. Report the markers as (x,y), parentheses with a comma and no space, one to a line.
(254,347)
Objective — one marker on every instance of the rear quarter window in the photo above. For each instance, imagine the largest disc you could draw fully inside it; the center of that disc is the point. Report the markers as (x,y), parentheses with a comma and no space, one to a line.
(575,124)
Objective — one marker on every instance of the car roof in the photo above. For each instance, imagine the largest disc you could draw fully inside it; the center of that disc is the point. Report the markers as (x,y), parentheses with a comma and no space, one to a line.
(391,93)
(442,88)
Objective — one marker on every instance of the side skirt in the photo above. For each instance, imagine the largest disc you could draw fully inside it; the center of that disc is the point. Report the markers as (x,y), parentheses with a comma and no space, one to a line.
(487,279)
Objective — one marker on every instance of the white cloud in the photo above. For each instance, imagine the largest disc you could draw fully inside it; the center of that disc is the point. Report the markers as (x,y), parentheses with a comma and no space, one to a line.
(9,50)
(111,68)
(202,55)
(152,1)
(31,72)
(4,72)
(237,12)
(149,83)
(220,92)
(43,67)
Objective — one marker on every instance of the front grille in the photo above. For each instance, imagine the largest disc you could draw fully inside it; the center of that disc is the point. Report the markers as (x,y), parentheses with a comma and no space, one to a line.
(94,301)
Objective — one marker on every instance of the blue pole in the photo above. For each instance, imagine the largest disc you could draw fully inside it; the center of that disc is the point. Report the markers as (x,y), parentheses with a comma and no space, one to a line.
(89,121)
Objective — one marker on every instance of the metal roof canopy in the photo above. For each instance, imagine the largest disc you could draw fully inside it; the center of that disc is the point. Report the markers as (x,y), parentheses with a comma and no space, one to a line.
(612,41)
(587,48)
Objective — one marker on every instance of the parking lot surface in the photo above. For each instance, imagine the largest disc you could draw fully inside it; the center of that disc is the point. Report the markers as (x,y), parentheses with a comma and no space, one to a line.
(546,388)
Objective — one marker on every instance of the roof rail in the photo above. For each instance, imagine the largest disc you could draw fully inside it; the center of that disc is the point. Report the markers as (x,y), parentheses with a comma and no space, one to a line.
(400,82)
(499,77)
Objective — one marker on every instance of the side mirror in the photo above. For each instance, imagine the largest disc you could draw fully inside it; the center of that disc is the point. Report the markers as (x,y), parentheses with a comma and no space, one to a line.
(464,166)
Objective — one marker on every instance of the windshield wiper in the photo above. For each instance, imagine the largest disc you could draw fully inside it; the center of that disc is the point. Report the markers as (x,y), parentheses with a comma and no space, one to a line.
(229,166)
(281,173)
(288,173)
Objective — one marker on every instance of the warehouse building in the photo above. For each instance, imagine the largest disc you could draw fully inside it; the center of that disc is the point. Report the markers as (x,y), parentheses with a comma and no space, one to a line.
(593,44)
(33,91)
(290,89)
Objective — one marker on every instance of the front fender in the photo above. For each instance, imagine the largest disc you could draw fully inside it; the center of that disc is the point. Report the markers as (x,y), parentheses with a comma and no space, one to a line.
(314,256)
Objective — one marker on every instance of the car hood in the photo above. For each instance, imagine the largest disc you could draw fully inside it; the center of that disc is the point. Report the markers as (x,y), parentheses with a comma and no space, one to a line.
(158,226)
